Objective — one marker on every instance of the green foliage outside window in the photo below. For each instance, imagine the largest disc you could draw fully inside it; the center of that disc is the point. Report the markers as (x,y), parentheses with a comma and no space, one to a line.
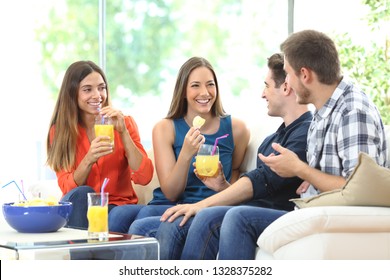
(370,65)
(145,39)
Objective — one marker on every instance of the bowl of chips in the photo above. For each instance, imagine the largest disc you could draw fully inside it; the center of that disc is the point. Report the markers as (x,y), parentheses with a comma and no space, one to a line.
(37,215)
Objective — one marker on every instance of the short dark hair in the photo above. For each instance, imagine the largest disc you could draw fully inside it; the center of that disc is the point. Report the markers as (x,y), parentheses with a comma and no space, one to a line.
(275,64)
(314,50)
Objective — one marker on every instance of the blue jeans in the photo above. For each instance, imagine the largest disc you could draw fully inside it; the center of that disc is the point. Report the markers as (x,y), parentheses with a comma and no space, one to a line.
(122,216)
(148,220)
(78,197)
(198,239)
(119,218)
(230,232)
(240,230)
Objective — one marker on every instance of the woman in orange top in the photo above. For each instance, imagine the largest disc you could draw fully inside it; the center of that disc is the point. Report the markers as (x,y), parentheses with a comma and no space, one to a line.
(81,160)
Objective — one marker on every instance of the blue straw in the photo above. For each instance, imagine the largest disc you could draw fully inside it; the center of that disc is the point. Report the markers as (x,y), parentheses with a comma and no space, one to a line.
(17,187)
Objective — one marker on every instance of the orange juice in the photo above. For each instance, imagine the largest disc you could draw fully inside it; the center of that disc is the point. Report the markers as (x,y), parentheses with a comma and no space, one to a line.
(105,130)
(97,221)
(207,165)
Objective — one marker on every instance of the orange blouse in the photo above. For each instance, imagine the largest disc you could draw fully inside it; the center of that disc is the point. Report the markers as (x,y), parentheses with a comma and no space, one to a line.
(113,166)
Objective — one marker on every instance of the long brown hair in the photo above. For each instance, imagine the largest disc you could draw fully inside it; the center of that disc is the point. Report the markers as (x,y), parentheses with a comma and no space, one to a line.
(179,104)
(61,151)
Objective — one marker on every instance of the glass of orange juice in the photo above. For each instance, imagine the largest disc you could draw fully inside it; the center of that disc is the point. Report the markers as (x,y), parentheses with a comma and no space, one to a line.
(98,216)
(104,127)
(206,162)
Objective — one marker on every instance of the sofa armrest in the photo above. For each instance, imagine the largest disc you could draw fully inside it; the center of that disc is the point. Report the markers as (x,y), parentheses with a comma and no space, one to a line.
(305,222)
(145,193)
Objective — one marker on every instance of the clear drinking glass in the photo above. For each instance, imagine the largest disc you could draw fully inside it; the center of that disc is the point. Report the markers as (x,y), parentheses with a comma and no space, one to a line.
(206,161)
(104,127)
(98,216)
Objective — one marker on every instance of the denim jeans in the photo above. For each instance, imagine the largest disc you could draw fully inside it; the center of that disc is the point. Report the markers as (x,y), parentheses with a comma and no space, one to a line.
(240,230)
(119,218)
(229,232)
(148,220)
(122,216)
(198,239)
(78,197)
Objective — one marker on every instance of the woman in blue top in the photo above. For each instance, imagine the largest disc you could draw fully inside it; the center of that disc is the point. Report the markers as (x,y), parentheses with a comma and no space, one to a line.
(176,142)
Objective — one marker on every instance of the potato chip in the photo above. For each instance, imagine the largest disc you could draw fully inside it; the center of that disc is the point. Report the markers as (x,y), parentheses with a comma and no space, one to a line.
(198,121)
(51,201)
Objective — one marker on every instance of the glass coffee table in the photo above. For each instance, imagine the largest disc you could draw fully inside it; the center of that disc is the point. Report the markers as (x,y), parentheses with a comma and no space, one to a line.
(73,244)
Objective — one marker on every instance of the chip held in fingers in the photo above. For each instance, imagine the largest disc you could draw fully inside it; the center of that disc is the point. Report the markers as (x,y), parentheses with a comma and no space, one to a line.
(198,121)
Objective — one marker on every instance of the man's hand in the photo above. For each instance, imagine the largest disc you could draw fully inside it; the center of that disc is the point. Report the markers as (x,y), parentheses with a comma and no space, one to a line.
(303,187)
(285,164)
(186,210)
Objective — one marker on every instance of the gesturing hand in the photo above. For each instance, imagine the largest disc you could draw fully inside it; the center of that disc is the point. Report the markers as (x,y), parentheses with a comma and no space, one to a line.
(285,164)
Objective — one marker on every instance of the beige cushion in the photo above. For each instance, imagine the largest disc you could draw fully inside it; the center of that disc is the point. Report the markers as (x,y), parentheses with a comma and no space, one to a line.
(368,185)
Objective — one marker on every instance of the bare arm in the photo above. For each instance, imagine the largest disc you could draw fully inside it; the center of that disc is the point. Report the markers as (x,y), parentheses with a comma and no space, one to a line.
(172,174)
(241,137)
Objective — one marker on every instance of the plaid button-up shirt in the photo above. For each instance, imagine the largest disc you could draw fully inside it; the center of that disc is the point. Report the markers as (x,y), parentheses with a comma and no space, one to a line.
(349,123)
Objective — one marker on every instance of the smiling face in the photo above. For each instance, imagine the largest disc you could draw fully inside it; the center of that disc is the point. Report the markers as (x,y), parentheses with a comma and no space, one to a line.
(273,95)
(92,93)
(201,91)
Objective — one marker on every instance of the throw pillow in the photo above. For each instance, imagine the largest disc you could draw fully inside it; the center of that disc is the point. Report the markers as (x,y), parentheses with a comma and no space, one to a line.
(368,185)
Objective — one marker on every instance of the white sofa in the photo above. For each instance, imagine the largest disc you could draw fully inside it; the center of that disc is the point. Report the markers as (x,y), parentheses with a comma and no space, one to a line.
(329,232)
(332,232)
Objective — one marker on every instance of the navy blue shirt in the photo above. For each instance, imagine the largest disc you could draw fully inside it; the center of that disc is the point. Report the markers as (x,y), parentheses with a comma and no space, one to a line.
(269,189)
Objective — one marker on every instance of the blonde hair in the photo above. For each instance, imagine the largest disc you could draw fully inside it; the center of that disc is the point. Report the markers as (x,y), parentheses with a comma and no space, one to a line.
(61,150)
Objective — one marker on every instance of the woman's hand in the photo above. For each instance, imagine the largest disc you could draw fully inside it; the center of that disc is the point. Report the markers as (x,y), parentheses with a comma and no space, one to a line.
(100,146)
(116,116)
(192,142)
(217,182)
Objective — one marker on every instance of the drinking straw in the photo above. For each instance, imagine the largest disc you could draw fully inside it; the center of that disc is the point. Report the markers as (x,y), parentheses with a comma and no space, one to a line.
(102,119)
(105,182)
(216,143)
(17,187)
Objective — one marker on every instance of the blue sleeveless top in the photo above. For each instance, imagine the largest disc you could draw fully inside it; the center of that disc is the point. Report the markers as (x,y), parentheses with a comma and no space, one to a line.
(195,189)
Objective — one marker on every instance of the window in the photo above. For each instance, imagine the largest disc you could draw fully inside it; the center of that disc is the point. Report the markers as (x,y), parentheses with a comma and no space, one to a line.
(146,43)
